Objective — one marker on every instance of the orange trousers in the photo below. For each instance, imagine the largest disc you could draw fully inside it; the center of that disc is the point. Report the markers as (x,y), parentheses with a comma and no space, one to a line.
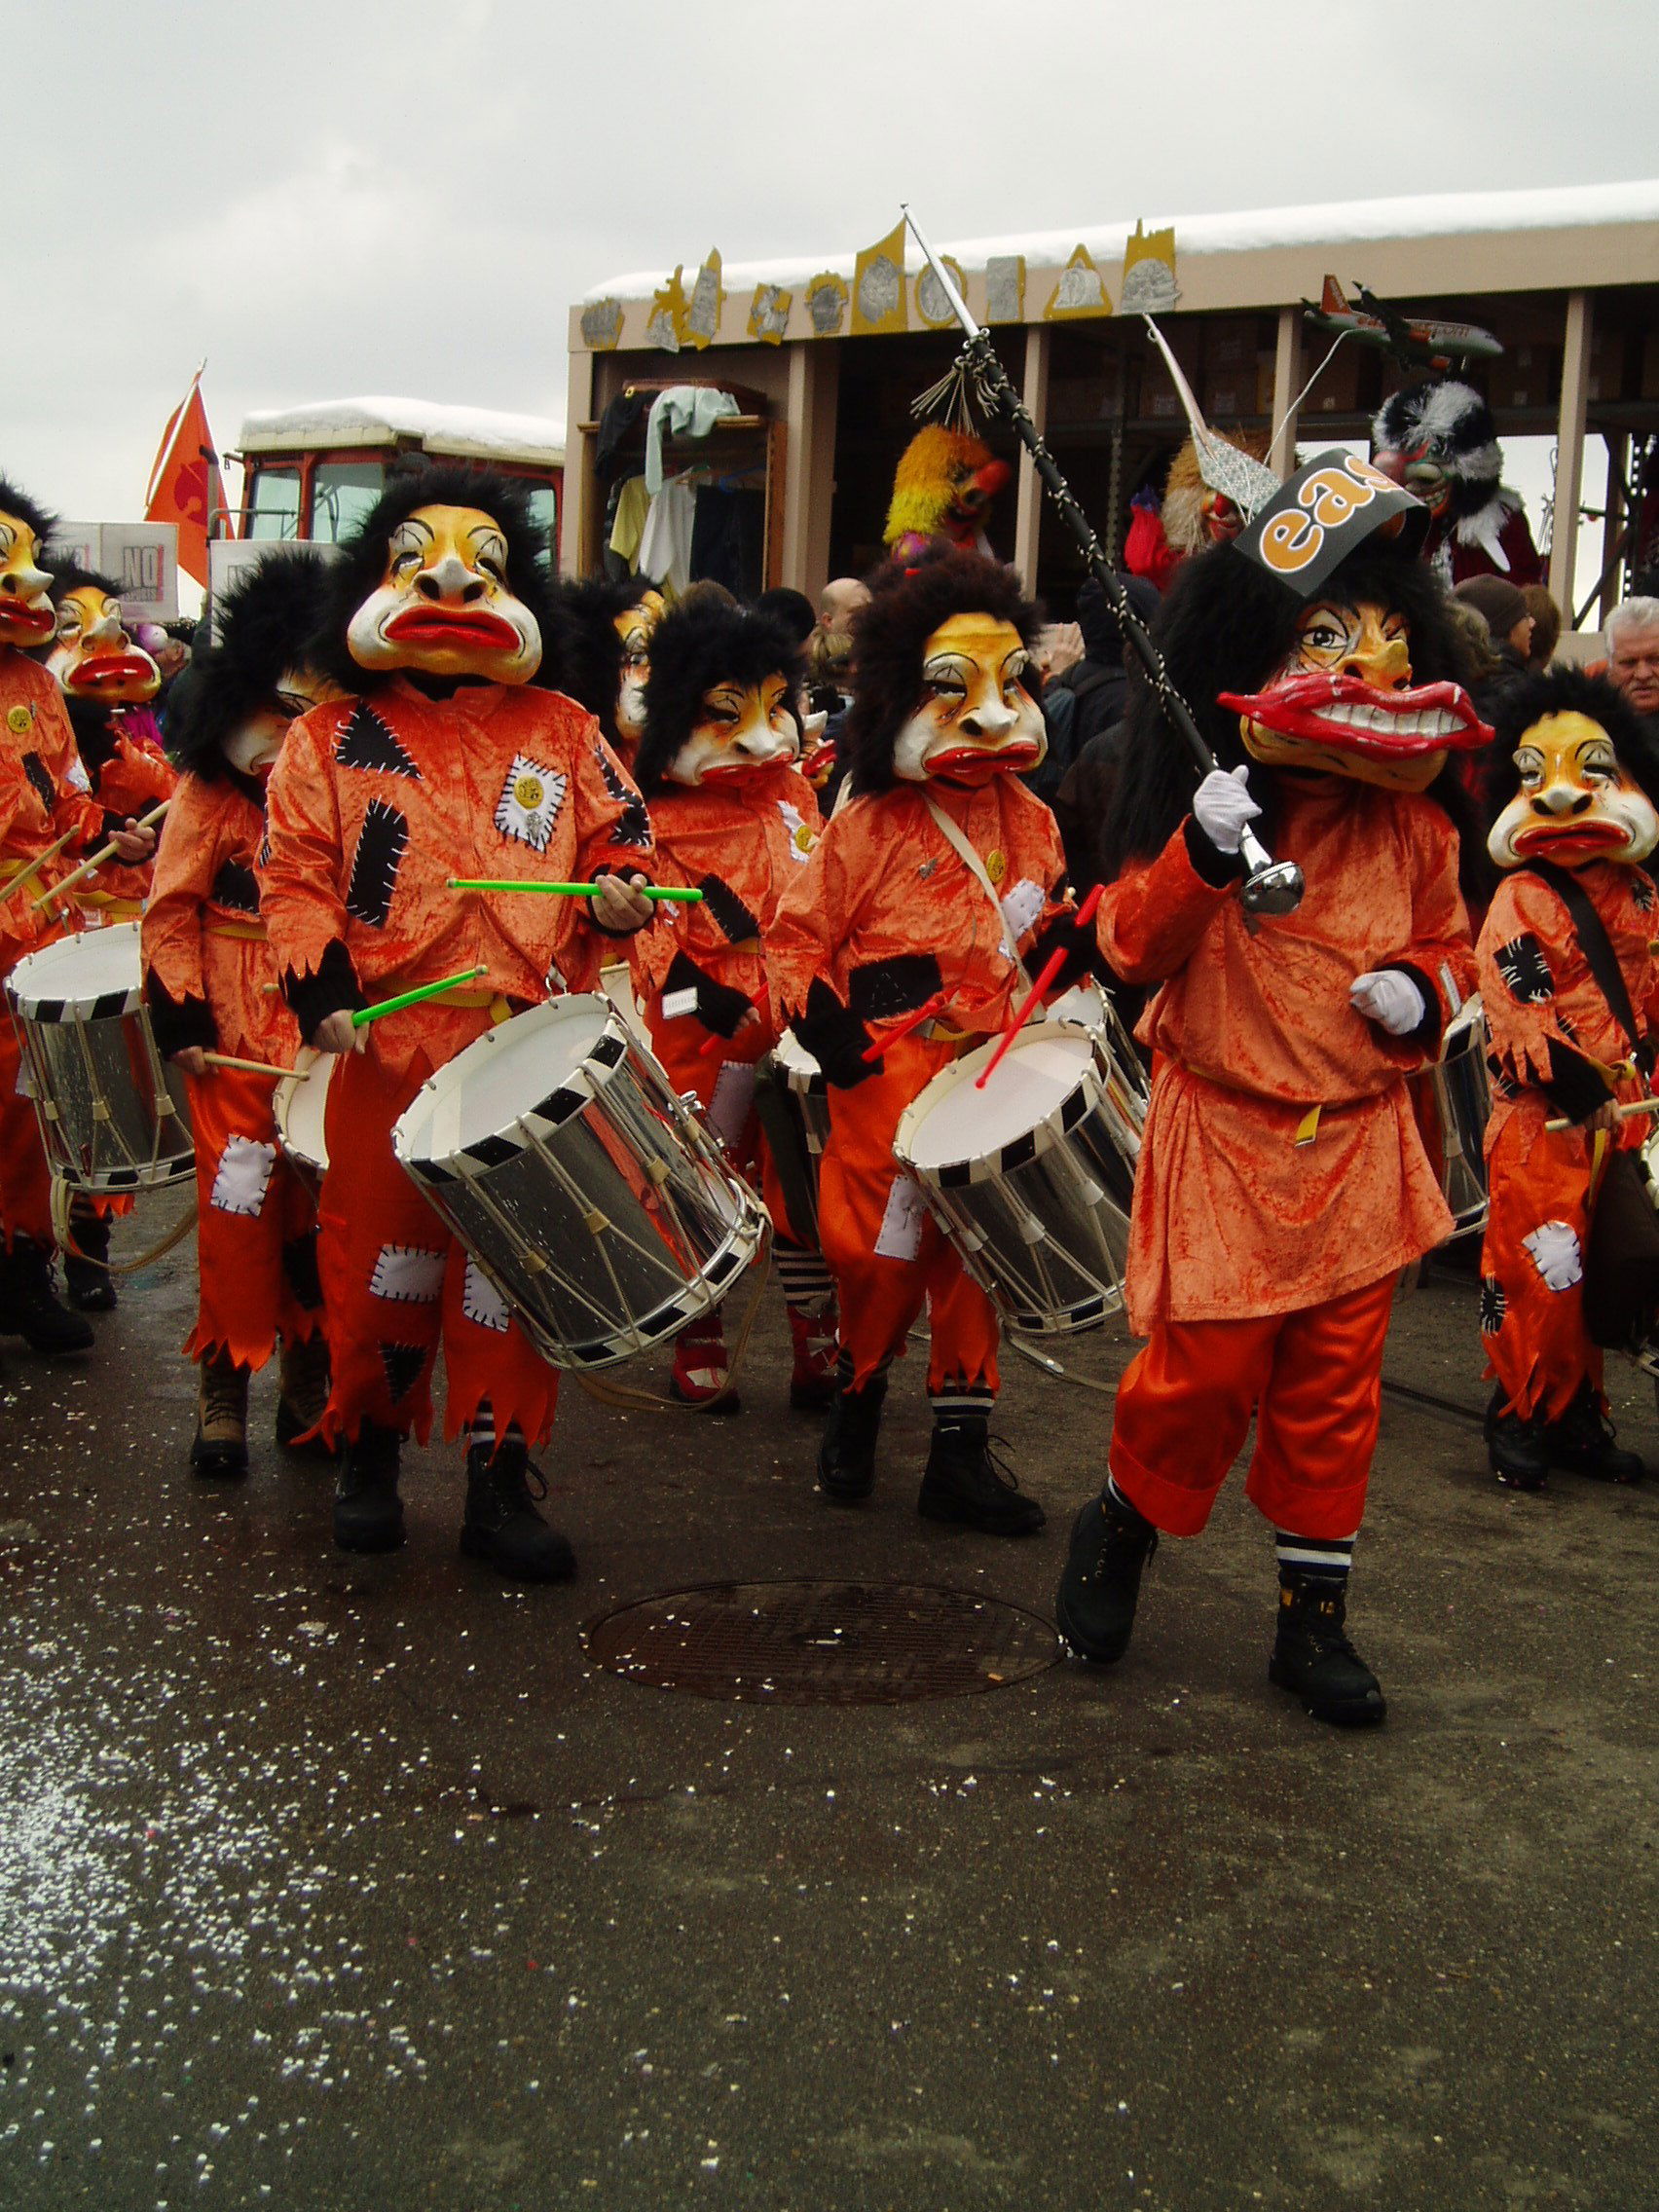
(1535,1336)
(396,1282)
(1313,1379)
(25,1180)
(255,1223)
(884,1250)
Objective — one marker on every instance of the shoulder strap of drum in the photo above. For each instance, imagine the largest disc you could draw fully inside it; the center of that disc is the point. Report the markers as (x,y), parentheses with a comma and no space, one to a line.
(962,845)
(1597,949)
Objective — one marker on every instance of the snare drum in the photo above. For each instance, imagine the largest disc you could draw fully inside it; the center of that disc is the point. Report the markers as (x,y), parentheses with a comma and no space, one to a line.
(584,1187)
(1032,1177)
(1458,1088)
(792,1100)
(113,1114)
(301,1110)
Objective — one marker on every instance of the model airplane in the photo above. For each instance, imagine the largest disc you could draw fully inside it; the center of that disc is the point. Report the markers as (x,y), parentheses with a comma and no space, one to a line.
(1415,341)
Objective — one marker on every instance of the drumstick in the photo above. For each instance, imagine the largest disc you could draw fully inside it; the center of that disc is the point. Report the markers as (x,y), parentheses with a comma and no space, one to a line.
(574,889)
(1051,969)
(104,853)
(364,1015)
(1626,1113)
(245,1067)
(924,1013)
(28,874)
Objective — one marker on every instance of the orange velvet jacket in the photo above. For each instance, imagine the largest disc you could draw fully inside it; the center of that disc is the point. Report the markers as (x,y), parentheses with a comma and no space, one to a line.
(206,958)
(1247,1203)
(135,776)
(43,790)
(375,803)
(885,885)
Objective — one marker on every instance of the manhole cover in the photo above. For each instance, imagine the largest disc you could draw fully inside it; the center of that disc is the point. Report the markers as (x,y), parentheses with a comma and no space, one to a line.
(823,1642)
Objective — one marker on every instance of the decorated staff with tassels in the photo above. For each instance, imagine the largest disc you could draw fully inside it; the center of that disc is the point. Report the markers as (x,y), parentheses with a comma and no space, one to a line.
(207,967)
(457,759)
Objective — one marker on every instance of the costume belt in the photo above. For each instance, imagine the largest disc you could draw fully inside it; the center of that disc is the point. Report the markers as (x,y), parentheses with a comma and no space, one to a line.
(498,1006)
(246,933)
(113,905)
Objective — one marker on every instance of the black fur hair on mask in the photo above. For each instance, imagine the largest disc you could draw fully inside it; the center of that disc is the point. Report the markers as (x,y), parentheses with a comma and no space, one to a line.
(266,627)
(694,649)
(1568,691)
(1227,626)
(360,568)
(69,576)
(40,519)
(593,660)
(906,605)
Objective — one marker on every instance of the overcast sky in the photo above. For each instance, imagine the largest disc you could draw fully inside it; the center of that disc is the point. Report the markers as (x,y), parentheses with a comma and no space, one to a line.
(329,197)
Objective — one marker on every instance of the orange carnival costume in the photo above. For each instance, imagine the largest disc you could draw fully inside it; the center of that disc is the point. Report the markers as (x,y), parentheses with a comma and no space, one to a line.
(450,764)
(210,983)
(1570,985)
(890,921)
(46,801)
(1283,1183)
(735,820)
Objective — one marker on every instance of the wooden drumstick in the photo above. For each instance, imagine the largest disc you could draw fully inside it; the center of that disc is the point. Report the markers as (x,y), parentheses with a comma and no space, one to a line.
(1051,970)
(1625,1113)
(104,853)
(247,1067)
(27,874)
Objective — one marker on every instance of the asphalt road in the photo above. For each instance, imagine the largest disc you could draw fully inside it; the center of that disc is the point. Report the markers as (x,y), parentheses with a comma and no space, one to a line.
(350,1884)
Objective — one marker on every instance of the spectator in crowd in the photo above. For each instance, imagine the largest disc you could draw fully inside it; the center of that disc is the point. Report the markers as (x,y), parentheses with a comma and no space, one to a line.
(791,610)
(837,604)
(1546,626)
(1099,687)
(1509,627)
(1633,656)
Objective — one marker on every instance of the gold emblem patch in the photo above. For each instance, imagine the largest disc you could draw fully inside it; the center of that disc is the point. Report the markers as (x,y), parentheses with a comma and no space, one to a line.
(529,792)
(19,719)
(996,867)
(804,841)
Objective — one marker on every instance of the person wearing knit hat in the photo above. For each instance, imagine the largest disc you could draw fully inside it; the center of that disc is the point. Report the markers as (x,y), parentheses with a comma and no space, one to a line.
(1505,610)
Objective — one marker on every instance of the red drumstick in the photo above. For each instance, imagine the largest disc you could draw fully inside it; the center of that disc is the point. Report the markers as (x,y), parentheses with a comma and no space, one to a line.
(1051,969)
(924,1013)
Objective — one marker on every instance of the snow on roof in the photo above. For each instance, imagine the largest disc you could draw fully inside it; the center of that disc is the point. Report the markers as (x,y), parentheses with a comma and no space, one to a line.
(1351,222)
(477,432)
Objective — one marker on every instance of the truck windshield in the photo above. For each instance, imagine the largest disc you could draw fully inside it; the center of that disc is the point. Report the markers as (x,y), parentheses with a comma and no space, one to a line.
(273,503)
(342,494)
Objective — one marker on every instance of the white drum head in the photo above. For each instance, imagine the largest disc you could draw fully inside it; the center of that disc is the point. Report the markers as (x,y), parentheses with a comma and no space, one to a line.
(1086,1004)
(500,1076)
(85,978)
(953,1121)
(798,1063)
(300,1106)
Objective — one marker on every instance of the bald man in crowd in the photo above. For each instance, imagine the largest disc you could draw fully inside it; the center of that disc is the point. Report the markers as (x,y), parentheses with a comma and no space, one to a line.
(837,604)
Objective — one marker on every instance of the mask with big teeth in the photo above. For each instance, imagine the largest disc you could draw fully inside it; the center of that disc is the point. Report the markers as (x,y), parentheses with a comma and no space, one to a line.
(443,607)
(93,657)
(975,719)
(635,626)
(1343,704)
(25,596)
(1577,802)
(742,730)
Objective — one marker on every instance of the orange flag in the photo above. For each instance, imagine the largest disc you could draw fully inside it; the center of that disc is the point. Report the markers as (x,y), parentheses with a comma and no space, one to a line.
(185,484)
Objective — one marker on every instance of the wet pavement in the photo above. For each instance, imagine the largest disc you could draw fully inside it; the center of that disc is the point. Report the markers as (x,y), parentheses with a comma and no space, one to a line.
(350,1884)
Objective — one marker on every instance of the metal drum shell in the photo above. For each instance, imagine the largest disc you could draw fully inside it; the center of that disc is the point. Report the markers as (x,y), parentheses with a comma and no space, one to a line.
(601,1212)
(792,1100)
(1459,1086)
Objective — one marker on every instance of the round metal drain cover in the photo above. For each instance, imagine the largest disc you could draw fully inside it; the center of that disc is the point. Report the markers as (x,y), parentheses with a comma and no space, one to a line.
(823,1642)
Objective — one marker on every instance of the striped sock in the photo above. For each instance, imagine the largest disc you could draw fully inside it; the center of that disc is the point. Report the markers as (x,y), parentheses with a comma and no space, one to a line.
(1328,1556)
(808,1285)
(481,1435)
(962,1405)
(844,1371)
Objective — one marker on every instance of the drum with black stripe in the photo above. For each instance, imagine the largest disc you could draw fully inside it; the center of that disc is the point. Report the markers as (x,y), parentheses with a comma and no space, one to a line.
(584,1185)
(113,1114)
(792,1099)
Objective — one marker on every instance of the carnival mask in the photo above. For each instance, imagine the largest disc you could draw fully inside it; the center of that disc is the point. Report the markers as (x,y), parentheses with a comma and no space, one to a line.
(742,730)
(976,720)
(25,602)
(444,607)
(1421,475)
(1576,803)
(93,657)
(252,748)
(635,626)
(1343,704)
(1222,519)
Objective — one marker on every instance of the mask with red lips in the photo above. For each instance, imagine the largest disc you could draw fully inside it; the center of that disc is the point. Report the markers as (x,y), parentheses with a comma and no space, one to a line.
(443,607)
(25,594)
(1580,773)
(93,657)
(976,720)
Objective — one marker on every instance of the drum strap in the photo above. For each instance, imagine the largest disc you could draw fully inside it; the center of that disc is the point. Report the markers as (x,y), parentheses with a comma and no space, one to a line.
(1600,957)
(963,847)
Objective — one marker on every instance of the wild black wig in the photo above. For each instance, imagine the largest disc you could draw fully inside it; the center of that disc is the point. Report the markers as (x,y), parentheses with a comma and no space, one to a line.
(906,605)
(1568,691)
(69,576)
(694,649)
(267,626)
(593,654)
(39,519)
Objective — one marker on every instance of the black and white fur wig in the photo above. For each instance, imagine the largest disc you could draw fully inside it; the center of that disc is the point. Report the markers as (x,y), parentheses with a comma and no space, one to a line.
(906,605)
(268,625)
(593,656)
(692,650)
(1456,424)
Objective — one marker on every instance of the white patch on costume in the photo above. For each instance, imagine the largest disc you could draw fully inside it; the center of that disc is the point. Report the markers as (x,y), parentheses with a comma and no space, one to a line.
(901,1236)
(481,1302)
(244,1176)
(676,1005)
(731,1099)
(530,803)
(77,777)
(801,837)
(409,1274)
(1021,906)
(1556,1254)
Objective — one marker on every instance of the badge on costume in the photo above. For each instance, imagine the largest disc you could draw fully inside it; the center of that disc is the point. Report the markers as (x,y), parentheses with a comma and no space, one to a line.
(801,839)
(530,803)
(19,721)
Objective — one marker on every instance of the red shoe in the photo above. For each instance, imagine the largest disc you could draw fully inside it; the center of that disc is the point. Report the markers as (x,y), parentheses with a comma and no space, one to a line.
(702,1373)
(812,1385)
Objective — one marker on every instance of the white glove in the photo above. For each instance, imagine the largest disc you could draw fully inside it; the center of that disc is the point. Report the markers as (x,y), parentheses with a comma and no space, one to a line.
(1222,805)
(1388,997)
(1556,1255)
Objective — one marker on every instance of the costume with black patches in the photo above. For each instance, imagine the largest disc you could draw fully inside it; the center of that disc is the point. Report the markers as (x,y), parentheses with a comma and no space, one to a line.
(890,918)
(1566,968)
(1440,441)
(735,820)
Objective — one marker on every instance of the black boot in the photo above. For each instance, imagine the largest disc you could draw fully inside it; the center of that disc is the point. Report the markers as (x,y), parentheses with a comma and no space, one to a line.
(86,1277)
(368,1516)
(964,1483)
(219,1451)
(1094,1607)
(1582,1441)
(1517,1451)
(501,1524)
(1313,1657)
(29,1304)
(846,1458)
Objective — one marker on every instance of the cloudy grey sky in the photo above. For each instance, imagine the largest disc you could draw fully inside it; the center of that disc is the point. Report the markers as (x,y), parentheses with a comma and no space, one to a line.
(326,197)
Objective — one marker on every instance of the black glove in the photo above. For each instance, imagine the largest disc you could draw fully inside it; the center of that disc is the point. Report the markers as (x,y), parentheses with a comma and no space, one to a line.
(837,1038)
(719,1007)
(1076,940)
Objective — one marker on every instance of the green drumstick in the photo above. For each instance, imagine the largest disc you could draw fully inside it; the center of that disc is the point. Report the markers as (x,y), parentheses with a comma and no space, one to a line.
(571,890)
(364,1015)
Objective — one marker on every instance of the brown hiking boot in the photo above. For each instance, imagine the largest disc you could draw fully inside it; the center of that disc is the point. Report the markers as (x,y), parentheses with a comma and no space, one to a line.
(220,1450)
(307,1378)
